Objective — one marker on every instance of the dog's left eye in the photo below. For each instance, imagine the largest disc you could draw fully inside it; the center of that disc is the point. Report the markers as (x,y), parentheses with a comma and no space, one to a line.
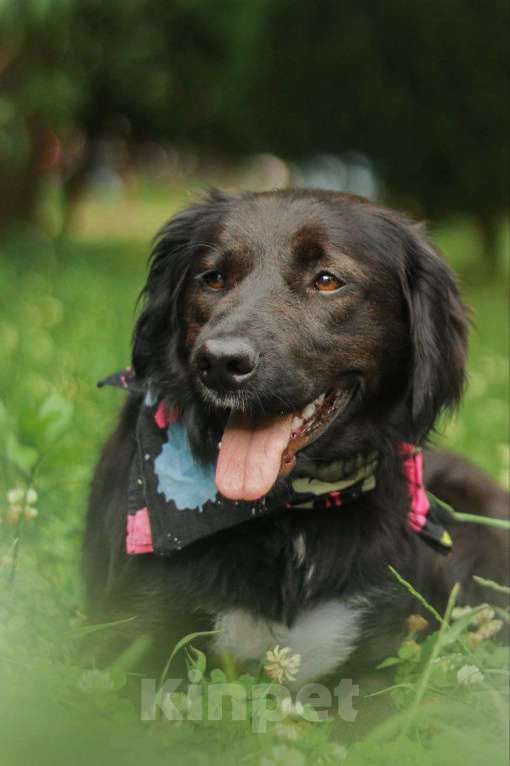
(213,279)
(326,282)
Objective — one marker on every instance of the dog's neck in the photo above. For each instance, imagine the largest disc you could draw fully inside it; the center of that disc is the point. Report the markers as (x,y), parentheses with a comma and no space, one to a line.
(336,483)
(166,478)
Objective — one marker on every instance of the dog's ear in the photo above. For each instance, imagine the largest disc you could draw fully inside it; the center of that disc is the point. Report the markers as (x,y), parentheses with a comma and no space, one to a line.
(439,328)
(169,263)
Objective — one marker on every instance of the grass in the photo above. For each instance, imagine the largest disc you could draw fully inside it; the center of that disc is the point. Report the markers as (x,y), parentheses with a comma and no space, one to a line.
(66,317)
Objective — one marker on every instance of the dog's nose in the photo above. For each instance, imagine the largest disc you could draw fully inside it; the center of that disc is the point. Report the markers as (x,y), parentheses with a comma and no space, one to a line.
(226,363)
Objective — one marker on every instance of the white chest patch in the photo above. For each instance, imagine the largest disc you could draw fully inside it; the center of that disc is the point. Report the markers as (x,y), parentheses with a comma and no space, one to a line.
(324,636)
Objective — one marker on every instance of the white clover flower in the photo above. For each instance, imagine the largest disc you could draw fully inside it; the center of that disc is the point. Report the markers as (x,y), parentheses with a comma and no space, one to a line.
(281,664)
(20,503)
(31,496)
(468,675)
(485,614)
(16,496)
(460,611)
(483,619)
(489,629)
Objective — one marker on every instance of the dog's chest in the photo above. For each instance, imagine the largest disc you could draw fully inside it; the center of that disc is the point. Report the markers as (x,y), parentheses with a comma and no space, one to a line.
(324,630)
(324,635)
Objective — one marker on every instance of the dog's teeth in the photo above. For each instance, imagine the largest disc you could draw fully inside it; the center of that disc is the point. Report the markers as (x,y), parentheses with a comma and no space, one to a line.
(296,423)
(308,411)
(319,400)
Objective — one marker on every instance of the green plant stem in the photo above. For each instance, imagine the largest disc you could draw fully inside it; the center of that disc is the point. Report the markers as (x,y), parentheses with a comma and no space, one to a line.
(425,678)
(423,601)
(484,520)
(491,585)
(179,645)
(470,518)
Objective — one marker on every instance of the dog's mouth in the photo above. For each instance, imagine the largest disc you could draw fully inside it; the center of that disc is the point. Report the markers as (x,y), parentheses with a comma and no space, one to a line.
(253,453)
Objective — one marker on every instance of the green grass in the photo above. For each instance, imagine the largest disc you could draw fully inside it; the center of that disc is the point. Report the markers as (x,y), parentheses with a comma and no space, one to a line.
(66,318)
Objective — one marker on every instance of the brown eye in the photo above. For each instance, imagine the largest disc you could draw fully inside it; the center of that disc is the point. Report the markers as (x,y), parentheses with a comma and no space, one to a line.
(326,282)
(214,279)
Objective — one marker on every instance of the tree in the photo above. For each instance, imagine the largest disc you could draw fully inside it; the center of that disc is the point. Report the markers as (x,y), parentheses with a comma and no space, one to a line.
(38,96)
(422,88)
(89,66)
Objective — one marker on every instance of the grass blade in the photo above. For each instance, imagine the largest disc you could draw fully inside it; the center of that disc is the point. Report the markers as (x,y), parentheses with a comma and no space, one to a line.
(423,601)
(491,585)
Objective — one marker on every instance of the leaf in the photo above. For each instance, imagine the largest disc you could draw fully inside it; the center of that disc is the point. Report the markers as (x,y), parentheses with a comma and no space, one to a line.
(454,631)
(194,675)
(87,630)
(55,415)
(409,650)
(390,662)
(408,687)
(21,456)
(196,663)
(198,659)
(179,645)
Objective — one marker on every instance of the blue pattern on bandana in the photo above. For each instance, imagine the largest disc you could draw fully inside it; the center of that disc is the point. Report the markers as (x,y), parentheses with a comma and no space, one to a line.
(180,477)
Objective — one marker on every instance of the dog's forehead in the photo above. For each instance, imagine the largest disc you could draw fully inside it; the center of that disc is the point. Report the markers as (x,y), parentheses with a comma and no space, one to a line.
(278,221)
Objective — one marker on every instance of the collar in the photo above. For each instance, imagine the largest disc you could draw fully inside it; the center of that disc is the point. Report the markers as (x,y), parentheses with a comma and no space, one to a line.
(173,500)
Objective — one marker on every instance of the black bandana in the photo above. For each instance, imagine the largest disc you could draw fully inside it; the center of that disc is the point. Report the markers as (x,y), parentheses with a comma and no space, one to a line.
(173,500)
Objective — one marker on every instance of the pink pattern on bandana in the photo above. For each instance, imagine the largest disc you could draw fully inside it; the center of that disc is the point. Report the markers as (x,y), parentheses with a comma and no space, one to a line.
(413,469)
(139,537)
(161,415)
(163,418)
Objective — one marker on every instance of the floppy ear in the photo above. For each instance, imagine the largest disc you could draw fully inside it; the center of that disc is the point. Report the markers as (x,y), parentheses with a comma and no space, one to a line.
(439,329)
(170,261)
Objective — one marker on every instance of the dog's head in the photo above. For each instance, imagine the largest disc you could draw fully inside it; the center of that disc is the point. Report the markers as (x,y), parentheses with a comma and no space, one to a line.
(298,322)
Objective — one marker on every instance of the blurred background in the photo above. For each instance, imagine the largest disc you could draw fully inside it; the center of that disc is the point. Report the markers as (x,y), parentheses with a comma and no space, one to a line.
(113,115)
(403,101)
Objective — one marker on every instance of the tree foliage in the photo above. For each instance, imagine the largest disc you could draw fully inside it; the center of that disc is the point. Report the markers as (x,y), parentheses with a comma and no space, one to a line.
(422,88)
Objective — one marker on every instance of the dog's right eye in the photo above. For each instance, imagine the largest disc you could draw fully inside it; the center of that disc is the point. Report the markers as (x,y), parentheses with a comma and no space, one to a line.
(213,279)
(325,282)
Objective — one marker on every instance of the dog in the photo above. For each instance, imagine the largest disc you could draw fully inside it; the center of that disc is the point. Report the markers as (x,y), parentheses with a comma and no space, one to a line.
(293,352)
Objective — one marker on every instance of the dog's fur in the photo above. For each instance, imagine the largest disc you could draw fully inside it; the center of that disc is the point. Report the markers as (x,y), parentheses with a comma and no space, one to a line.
(394,337)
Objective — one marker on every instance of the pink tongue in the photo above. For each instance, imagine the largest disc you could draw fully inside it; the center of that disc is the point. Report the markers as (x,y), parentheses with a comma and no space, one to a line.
(250,456)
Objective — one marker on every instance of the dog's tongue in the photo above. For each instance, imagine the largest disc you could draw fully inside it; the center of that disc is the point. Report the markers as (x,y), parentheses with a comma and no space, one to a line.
(250,456)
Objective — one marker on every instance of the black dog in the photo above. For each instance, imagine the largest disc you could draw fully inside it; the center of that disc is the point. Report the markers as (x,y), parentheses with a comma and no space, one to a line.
(300,342)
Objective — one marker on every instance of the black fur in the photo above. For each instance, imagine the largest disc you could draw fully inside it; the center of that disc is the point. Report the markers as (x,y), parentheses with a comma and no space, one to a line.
(395,338)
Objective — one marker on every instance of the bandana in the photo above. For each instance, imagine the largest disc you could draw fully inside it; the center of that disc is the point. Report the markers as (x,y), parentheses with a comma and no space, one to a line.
(173,500)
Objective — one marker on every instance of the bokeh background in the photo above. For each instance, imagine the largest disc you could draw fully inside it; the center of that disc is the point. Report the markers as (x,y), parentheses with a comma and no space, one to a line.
(113,115)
